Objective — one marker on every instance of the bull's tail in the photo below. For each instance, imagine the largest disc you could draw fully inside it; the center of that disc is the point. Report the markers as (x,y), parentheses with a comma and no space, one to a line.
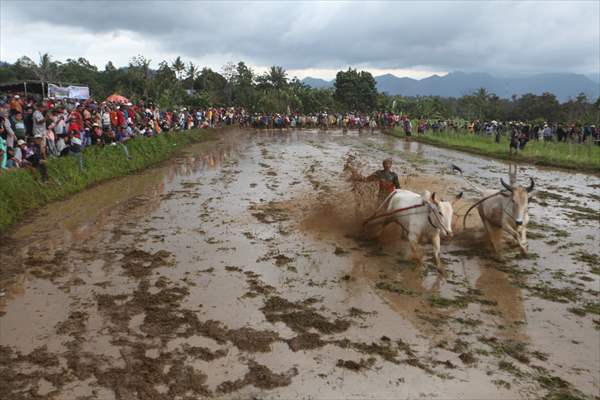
(385,201)
(467,214)
(383,204)
(475,205)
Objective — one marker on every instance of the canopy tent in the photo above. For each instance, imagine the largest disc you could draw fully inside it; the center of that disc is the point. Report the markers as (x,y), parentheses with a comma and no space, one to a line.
(117,98)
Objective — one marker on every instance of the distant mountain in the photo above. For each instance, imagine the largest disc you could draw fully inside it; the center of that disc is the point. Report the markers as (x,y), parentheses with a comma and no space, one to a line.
(457,84)
(317,83)
(594,77)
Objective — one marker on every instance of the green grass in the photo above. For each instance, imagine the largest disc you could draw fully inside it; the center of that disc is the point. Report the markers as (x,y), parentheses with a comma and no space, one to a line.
(22,190)
(582,157)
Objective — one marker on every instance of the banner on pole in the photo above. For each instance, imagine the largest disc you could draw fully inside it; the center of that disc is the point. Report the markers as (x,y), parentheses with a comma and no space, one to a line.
(70,92)
(79,92)
(57,92)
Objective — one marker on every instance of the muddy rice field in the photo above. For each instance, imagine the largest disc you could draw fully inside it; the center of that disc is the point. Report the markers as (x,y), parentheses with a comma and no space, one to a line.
(239,270)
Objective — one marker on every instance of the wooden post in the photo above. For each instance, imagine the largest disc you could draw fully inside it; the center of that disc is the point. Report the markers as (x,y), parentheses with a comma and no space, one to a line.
(25,83)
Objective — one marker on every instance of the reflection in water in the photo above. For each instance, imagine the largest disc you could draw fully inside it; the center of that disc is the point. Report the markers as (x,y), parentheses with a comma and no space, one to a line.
(511,312)
(408,290)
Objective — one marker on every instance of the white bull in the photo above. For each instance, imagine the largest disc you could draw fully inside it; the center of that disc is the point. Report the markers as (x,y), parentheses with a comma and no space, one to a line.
(430,218)
(506,211)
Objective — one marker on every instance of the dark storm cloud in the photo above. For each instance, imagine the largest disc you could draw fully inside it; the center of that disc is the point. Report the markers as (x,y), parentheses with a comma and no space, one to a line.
(502,37)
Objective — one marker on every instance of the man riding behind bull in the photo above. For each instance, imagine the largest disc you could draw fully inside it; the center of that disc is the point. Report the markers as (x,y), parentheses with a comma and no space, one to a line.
(388,180)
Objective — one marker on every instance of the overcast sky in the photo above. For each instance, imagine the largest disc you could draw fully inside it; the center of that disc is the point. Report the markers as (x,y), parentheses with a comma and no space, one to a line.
(317,39)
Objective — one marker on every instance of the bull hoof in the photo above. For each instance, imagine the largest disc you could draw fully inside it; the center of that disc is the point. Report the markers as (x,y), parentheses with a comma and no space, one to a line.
(523,248)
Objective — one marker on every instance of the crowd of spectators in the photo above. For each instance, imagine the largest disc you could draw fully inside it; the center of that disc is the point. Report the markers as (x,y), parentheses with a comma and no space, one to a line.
(518,133)
(33,131)
(549,132)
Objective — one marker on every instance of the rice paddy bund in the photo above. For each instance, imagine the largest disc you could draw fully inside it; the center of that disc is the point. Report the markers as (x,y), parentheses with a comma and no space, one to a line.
(572,156)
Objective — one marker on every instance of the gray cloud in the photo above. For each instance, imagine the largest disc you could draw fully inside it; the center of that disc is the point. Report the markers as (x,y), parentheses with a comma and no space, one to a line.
(499,37)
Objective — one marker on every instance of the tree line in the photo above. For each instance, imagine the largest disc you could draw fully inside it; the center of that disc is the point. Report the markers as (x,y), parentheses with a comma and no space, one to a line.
(179,83)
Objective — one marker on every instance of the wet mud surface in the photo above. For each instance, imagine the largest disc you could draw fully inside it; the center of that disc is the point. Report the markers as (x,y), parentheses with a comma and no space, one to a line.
(239,270)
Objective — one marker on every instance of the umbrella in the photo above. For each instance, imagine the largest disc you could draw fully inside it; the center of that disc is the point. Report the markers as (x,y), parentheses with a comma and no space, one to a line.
(117,98)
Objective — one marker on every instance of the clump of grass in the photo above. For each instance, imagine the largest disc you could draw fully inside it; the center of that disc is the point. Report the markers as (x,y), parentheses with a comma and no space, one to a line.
(395,287)
(558,388)
(563,155)
(514,349)
(501,383)
(561,233)
(587,308)
(510,368)
(22,190)
(593,260)
(560,295)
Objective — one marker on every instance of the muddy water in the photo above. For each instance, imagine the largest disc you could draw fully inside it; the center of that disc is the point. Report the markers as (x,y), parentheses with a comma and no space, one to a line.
(238,270)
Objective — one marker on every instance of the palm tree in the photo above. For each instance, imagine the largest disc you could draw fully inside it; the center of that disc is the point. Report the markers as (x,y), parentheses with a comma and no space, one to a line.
(481,99)
(139,68)
(178,67)
(192,73)
(46,70)
(278,77)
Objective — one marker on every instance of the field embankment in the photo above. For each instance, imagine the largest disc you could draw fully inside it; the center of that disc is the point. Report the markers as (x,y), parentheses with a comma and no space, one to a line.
(23,190)
(580,157)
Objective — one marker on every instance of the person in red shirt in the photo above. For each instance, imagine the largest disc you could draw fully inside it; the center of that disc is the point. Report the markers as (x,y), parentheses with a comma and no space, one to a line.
(121,121)
(113,117)
(387,179)
(75,121)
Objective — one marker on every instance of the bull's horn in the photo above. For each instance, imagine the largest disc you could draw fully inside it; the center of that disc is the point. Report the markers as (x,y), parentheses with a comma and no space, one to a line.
(457,168)
(506,185)
(433,198)
(531,185)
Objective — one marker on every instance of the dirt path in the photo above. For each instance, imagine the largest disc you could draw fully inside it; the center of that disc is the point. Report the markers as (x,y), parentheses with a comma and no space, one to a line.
(237,270)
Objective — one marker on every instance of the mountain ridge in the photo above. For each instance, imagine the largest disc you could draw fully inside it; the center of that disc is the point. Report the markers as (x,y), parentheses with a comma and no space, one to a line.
(564,86)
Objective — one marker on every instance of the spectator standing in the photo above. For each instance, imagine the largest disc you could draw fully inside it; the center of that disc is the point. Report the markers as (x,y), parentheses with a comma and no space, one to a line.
(16,105)
(407,127)
(19,126)
(38,156)
(28,121)
(547,133)
(561,134)
(39,122)
(105,117)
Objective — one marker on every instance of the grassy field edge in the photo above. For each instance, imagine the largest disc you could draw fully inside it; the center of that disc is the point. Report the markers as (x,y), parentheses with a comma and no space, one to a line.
(22,190)
(485,146)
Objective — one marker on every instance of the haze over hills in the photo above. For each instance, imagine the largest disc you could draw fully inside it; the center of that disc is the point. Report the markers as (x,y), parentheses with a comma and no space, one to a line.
(457,84)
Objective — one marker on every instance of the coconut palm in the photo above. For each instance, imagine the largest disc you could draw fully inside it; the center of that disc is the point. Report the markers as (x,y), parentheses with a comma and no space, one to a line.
(192,73)
(178,67)
(46,70)
(278,77)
